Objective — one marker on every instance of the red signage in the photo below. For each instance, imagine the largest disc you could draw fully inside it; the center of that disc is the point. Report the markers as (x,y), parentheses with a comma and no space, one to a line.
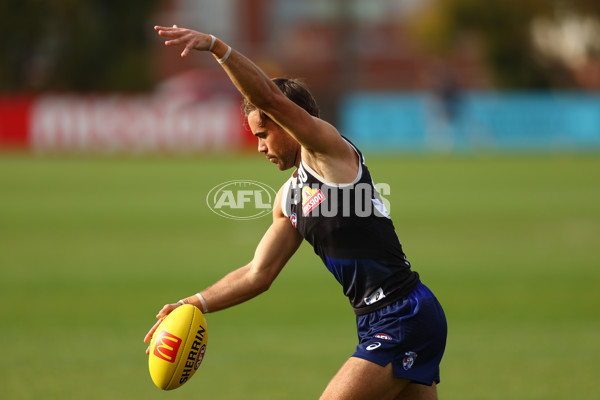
(121,123)
(14,121)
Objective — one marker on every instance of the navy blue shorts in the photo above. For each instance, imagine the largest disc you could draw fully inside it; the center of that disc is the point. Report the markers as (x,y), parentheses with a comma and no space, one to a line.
(410,334)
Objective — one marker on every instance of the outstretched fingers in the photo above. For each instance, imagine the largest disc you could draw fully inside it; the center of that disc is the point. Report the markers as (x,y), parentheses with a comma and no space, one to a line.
(180,36)
(189,47)
(150,333)
(166,31)
(162,314)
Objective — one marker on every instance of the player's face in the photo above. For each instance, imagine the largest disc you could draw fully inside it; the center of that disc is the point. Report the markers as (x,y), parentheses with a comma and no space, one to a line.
(277,145)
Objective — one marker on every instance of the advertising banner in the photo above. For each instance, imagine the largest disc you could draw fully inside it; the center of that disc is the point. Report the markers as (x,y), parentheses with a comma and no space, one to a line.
(116,123)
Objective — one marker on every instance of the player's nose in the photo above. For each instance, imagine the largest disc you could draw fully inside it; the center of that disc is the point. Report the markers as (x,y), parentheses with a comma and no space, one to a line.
(262,147)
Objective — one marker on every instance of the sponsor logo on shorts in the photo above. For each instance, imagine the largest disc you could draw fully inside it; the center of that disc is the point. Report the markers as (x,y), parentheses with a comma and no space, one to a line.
(167,346)
(375,297)
(383,336)
(294,220)
(373,346)
(409,359)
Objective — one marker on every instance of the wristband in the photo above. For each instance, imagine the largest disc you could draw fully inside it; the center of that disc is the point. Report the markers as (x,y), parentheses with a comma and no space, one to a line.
(203,302)
(226,56)
(188,300)
(213,40)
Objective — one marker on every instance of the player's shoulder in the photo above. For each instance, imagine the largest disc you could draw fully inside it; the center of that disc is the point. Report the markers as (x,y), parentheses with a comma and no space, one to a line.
(281,199)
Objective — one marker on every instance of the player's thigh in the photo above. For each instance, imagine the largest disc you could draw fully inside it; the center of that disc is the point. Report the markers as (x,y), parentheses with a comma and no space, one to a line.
(416,391)
(360,379)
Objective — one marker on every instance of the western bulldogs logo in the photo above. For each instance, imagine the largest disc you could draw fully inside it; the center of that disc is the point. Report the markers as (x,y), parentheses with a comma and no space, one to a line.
(409,360)
(294,220)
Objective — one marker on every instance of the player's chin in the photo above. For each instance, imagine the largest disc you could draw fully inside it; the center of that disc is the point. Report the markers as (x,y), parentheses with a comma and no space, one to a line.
(283,166)
(277,163)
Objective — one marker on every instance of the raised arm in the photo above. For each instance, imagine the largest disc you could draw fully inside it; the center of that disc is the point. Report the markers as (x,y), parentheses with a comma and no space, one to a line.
(276,247)
(314,134)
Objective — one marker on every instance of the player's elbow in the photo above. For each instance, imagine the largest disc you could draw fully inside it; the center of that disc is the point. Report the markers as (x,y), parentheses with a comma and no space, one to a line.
(268,101)
(261,281)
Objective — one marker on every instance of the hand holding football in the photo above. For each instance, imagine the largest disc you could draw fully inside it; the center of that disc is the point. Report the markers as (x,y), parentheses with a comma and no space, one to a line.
(177,347)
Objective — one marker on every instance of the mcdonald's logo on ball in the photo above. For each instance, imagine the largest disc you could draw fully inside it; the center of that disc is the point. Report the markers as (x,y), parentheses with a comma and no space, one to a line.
(167,346)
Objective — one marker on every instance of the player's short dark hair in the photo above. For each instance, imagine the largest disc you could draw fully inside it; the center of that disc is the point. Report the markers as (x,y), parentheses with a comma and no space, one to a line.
(294,90)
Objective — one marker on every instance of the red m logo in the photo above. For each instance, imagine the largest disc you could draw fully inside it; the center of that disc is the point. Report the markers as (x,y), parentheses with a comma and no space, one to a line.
(167,346)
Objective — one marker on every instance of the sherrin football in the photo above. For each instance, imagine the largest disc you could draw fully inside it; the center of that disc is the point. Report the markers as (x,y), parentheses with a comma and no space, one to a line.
(177,347)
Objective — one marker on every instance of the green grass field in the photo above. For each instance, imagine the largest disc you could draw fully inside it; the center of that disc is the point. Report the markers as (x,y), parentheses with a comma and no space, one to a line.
(92,247)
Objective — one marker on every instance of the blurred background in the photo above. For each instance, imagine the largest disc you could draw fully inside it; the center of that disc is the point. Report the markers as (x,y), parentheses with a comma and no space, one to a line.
(392,74)
(483,117)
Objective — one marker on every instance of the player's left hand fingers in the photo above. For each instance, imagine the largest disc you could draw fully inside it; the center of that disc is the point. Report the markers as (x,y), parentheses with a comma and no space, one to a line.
(167,309)
(152,330)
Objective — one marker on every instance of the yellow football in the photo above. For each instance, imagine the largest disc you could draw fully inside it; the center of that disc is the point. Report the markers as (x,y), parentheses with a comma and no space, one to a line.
(177,347)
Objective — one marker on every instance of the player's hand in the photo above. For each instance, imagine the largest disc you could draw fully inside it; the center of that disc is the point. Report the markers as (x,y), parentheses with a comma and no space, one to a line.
(166,310)
(191,40)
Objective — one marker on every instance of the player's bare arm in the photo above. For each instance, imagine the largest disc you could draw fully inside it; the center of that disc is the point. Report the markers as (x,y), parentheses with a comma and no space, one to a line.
(274,250)
(322,146)
(276,247)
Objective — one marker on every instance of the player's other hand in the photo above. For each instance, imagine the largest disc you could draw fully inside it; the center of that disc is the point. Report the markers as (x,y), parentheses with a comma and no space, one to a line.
(166,310)
(191,40)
